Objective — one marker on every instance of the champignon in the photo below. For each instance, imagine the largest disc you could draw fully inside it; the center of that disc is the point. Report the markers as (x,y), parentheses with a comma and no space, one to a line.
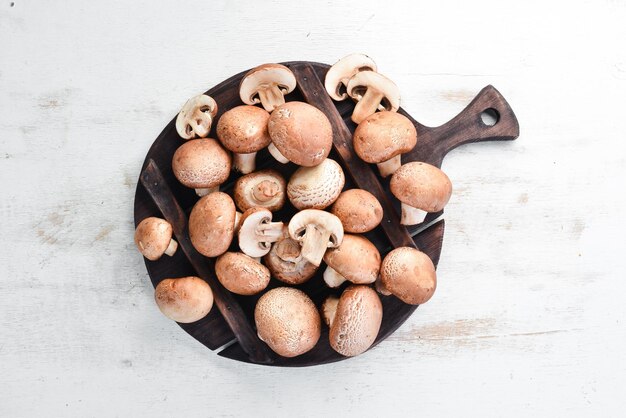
(153,238)
(243,130)
(286,263)
(409,274)
(196,117)
(381,139)
(372,91)
(328,309)
(184,300)
(257,232)
(201,164)
(212,224)
(300,133)
(358,210)
(356,260)
(264,188)
(287,321)
(316,231)
(241,274)
(267,84)
(421,188)
(316,187)
(338,75)
(355,323)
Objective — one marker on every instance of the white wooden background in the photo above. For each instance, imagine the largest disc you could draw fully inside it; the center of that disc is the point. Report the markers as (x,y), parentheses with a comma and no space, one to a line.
(529,315)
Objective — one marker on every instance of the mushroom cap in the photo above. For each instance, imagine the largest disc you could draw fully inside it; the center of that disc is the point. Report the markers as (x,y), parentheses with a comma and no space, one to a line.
(357,321)
(212,224)
(265,74)
(264,188)
(152,237)
(201,163)
(358,210)
(341,71)
(241,274)
(184,300)
(422,186)
(248,232)
(243,129)
(409,274)
(316,187)
(356,259)
(383,135)
(288,321)
(364,80)
(286,263)
(301,132)
(322,220)
(196,117)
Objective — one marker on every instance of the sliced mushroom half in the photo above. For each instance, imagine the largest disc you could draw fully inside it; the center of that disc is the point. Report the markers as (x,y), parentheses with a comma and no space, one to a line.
(196,117)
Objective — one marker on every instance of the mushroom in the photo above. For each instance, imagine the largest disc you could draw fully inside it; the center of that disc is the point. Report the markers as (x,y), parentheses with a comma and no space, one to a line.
(355,321)
(287,321)
(338,75)
(316,231)
(356,260)
(196,117)
(328,309)
(267,84)
(257,232)
(372,91)
(243,130)
(184,300)
(409,274)
(153,238)
(316,187)
(286,263)
(421,188)
(358,210)
(241,274)
(212,224)
(381,139)
(201,164)
(300,133)
(264,188)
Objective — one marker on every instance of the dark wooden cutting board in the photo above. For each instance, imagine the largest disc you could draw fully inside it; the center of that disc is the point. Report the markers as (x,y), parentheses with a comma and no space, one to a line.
(229,327)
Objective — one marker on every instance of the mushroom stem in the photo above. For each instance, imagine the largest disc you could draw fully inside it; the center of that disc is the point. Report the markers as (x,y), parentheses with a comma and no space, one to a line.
(201,123)
(265,191)
(270,231)
(314,244)
(271,97)
(277,154)
(257,259)
(380,287)
(332,278)
(411,215)
(329,309)
(367,105)
(288,250)
(207,190)
(244,163)
(171,248)
(387,168)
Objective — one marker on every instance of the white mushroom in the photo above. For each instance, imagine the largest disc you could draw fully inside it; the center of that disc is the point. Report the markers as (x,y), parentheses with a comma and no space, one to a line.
(372,91)
(196,117)
(267,84)
(338,75)
(316,231)
(257,232)
(316,187)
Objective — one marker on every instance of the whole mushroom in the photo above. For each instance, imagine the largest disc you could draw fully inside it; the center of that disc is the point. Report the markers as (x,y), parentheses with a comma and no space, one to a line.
(356,260)
(241,274)
(372,91)
(196,117)
(286,263)
(408,274)
(243,131)
(257,232)
(264,188)
(212,224)
(358,210)
(267,84)
(316,231)
(153,238)
(316,187)
(201,164)
(338,75)
(184,300)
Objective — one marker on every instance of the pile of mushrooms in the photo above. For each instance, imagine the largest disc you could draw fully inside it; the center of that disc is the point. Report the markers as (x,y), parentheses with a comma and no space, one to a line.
(253,247)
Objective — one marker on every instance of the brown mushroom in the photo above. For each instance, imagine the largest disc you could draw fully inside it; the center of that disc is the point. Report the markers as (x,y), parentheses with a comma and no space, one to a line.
(356,260)
(316,231)
(382,138)
(257,232)
(241,274)
(264,188)
(243,131)
(153,238)
(338,75)
(184,300)
(409,274)
(212,224)
(355,323)
(316,187)
(267,84)
(372,91)
(286,263)
(287,321)
(358,210)
(196,117)
(422,188)
(300,133)
(201,164)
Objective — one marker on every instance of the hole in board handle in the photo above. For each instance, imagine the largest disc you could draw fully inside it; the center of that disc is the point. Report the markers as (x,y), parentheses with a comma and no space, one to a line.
(490,116)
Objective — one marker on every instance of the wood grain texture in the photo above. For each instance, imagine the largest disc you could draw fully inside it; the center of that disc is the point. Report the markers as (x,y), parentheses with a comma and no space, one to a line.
(528,318)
